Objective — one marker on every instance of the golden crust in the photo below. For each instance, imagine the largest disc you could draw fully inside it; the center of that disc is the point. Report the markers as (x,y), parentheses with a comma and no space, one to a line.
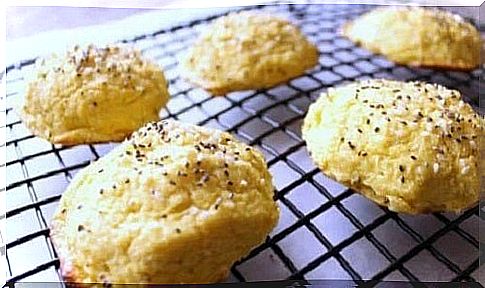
(175,203)
(245,51)
(418,36)
(410,146)
(93,95)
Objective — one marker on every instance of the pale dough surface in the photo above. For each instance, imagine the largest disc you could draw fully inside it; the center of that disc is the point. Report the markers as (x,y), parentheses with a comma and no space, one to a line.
(418,36)
(175,203)
(413,147)
(93,94)
(247,50)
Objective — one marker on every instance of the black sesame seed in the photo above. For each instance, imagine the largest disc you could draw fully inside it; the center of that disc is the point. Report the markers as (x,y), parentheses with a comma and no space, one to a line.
(368,121)
(414,157)
(376,129)
(364,154)
(342,139)
(164,216)
(127,181)
(229,183)
(172,182)
(360,130)
(226,173)
(351,145)
(80,228)
(63,211)
(402,179)
(101,170)
(178,230)
(80,206)
(401,168)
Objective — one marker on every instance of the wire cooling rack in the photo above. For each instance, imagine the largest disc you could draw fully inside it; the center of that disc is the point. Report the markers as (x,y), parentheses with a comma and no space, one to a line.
(326,231)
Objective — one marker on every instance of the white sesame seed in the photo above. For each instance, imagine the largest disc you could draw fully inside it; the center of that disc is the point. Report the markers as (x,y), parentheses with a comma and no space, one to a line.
(244,182)
(436,168)
(420,170)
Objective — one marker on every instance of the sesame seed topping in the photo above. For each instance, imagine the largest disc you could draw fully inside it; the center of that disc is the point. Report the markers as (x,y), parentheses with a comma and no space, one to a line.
(351,145)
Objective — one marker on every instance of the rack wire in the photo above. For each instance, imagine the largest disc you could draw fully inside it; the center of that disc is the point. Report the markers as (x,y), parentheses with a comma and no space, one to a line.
(326,231)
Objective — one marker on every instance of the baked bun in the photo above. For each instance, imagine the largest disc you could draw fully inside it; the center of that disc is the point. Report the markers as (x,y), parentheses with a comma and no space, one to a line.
(93,95)
(245,51)
(418,37)
(410,146)
(175,203)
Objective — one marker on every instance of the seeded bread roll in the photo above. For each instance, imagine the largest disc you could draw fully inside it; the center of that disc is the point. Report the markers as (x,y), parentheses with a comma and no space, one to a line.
(418,36)
(175,203)
(412,147)
(247,50)
(93,95)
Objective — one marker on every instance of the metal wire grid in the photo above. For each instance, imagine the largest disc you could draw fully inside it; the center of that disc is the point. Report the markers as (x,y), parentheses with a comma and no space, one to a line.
(326,231)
